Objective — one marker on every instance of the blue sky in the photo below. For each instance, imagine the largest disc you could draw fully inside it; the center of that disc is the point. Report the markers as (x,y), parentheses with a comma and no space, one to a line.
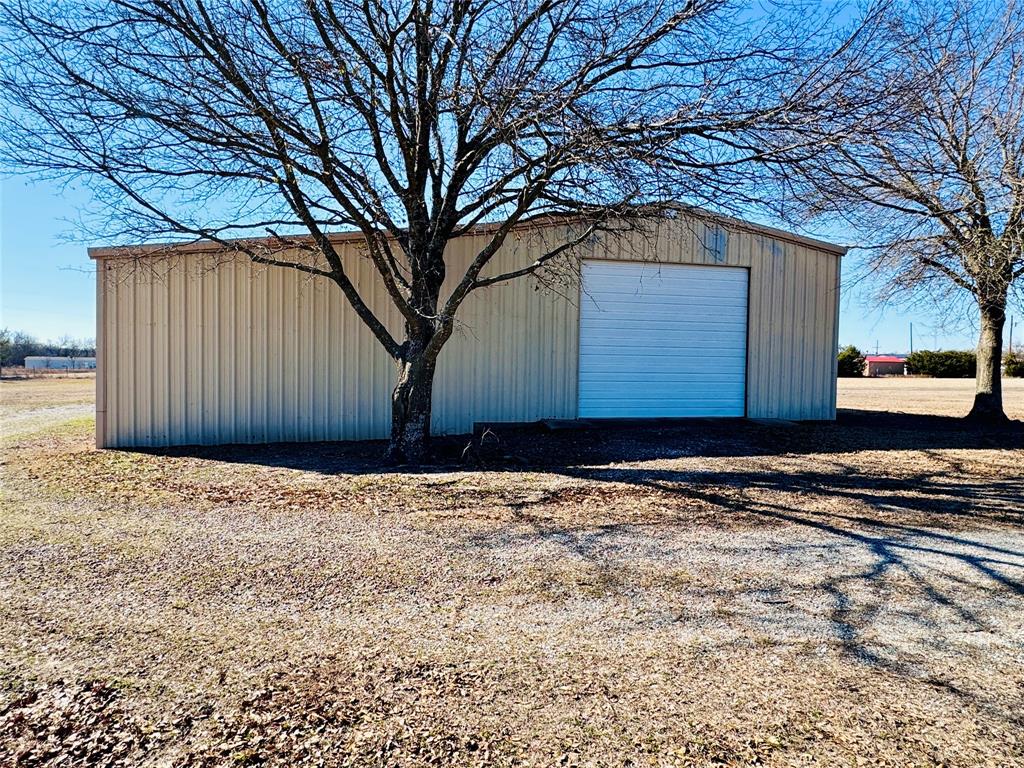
(47,287)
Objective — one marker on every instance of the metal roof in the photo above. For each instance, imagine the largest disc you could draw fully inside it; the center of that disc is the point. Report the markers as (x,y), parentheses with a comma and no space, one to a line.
(208,246)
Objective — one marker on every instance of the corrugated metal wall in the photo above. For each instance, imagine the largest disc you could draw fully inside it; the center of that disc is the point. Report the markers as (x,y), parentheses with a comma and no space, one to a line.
(196,348)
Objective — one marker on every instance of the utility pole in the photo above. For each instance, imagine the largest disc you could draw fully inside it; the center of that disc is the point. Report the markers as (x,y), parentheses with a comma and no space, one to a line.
(876,346)
(912,335)
(1011,335)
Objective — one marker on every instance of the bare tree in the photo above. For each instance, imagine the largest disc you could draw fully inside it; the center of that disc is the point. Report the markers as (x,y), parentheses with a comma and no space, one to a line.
(935,178)
(411,121)
(69,346)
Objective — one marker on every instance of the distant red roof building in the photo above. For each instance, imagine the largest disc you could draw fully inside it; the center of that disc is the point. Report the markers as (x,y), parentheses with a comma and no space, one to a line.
(884,365)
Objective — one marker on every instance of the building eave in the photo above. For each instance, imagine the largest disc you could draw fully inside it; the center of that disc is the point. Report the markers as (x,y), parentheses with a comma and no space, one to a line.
(153,250)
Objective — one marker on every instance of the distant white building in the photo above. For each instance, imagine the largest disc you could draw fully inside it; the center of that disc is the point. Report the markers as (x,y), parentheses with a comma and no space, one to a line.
(60,363)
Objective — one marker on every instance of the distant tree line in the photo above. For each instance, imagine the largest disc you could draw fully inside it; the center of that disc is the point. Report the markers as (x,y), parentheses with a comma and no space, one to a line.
(944,364)
(941,364)
(15,346)
(851,362)
(1013,364)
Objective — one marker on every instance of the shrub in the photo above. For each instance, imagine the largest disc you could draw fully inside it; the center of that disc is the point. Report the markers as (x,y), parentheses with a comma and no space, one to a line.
(948,364)
(851,361)
(1013,365)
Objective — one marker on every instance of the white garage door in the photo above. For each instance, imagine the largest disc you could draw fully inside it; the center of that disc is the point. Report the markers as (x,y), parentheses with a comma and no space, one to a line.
(662,340)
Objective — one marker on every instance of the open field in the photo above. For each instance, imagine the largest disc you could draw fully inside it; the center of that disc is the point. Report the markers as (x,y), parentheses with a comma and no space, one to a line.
(29,404)
(707,594)
(943,397)
(21,372)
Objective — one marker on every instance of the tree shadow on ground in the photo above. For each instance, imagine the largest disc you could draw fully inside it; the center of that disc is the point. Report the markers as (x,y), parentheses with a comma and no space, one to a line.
(535,446)
(920,525)
(948,575)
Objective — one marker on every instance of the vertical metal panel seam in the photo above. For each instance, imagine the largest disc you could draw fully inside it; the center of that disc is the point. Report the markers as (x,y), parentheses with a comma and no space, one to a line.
(835,333)
(101,351)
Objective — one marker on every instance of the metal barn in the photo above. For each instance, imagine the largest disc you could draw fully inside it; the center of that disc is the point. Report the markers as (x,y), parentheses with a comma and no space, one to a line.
(690,318)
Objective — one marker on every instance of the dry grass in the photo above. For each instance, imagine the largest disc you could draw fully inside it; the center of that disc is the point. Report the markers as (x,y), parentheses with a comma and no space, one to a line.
(21,395)
(28,404)
(827,595)
(14,372)
(942,397)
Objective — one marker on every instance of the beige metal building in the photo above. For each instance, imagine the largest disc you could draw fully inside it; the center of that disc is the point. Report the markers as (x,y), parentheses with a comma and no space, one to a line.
(688,319)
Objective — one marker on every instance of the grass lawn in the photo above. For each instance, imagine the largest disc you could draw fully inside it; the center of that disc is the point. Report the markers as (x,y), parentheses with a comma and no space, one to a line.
(714,593)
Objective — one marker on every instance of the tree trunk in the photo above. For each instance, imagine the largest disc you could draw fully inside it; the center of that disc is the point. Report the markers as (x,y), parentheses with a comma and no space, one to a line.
(988,397)
(411,406)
